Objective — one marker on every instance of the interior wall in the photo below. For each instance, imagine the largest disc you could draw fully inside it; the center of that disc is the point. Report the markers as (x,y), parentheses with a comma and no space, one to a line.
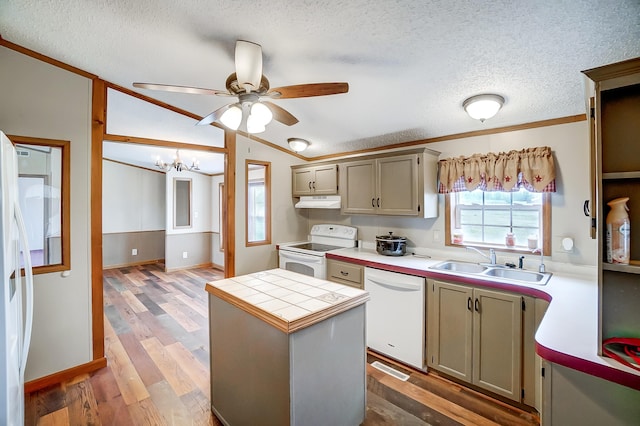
(41,100)
(287,224)
(133,214)
(195,241)
(570,145)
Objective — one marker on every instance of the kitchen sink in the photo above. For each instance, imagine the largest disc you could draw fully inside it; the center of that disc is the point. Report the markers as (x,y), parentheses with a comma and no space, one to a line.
(519,275)
(451,265)
(492,272)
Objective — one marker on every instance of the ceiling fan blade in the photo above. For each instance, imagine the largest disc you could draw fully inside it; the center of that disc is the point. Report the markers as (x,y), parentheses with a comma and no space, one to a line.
(280,114)
(214,116)
(248,64)
(180,89)
(308,90)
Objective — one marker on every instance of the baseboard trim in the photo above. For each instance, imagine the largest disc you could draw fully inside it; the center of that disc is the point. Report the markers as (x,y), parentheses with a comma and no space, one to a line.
(64,375)
(126,265)
(218,267)
(201,265)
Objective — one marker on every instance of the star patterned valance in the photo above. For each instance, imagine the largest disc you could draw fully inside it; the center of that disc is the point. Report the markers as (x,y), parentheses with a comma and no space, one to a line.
(532,169)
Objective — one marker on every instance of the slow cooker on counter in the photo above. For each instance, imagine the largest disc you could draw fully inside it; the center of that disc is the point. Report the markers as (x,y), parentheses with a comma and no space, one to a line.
(389,245)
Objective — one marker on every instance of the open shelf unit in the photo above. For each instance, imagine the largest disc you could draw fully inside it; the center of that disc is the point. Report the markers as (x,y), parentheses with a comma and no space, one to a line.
(616,147)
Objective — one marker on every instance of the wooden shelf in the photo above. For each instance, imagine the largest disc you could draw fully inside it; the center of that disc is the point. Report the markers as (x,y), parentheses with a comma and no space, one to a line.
(621,175)
(632,268)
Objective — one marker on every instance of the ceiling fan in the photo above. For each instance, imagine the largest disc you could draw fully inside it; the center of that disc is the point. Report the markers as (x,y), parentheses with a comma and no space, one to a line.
(249,85)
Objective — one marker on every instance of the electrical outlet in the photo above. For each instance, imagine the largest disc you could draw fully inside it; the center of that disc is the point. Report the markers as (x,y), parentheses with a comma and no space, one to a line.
(184,254)
(436,236)
(134,252)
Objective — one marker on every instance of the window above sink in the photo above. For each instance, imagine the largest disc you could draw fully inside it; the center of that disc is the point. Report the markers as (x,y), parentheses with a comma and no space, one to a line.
(518,221)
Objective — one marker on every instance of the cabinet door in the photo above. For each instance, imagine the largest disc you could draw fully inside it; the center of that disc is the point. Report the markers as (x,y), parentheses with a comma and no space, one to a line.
(357,186)
(302,179)
(497,342)
(325,180)
(450,329)
(397,185)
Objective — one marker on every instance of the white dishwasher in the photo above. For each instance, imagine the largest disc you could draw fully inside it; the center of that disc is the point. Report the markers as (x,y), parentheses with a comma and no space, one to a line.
(395,315)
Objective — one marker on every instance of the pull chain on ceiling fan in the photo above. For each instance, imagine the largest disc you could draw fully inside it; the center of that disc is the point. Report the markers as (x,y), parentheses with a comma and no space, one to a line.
(249,85)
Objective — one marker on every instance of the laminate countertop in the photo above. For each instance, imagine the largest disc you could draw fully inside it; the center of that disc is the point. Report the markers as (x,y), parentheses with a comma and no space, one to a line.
(287,300)
(568,333)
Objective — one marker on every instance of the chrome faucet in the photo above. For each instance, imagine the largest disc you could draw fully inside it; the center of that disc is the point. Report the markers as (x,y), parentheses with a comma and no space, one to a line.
(491,257)
(541,268)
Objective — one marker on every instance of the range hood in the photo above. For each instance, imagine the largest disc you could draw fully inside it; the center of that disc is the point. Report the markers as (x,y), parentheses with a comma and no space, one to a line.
(319,202)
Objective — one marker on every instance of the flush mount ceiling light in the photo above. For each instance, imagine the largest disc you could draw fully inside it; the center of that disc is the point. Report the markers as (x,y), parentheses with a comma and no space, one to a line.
(482,107)
(297,144)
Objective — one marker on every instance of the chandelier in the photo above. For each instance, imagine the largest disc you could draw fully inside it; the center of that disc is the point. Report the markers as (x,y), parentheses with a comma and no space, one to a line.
(177,164)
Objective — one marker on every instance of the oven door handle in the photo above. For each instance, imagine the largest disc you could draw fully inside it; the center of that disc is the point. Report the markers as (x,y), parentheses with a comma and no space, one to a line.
(302,257)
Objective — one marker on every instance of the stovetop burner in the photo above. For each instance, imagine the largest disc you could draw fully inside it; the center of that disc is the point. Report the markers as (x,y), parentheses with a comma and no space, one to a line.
(314,247)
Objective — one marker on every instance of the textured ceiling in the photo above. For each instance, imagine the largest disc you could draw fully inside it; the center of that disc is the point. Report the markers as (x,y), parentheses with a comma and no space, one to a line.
(409,64)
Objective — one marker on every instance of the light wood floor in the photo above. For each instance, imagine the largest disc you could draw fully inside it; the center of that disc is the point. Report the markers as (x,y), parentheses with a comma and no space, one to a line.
(156,343)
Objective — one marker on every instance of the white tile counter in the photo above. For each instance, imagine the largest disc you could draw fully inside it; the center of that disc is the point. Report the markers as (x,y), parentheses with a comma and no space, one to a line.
(568,333)
(287,300)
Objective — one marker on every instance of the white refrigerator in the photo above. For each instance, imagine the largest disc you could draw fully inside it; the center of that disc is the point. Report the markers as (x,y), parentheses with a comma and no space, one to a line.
(16,293)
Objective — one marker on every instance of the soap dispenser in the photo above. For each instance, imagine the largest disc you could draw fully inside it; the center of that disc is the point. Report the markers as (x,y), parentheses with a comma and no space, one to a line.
(618,234)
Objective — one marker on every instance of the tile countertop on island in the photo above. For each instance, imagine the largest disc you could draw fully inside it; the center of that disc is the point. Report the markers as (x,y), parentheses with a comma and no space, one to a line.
(287,300)
(568,333)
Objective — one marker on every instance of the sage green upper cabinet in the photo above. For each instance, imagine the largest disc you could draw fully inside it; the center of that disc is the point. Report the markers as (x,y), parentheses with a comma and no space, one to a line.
(403,185)
(315,180)
(358,184)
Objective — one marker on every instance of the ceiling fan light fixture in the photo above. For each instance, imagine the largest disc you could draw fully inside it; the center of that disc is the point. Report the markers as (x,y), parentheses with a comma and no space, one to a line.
(297,144)
(483,107)
(261,113)
(254,125)
(232,117)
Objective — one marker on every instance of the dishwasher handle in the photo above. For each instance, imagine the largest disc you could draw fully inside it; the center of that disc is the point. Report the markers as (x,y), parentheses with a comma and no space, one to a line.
(395,285)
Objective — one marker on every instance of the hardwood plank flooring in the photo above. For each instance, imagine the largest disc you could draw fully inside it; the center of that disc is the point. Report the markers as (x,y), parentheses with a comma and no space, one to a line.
(156,343)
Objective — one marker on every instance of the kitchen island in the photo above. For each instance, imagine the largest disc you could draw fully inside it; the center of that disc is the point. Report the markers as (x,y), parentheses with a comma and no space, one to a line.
(287,349)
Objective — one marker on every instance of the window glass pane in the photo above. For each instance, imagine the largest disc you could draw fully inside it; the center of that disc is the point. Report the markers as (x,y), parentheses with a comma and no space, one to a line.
(497,217)
(470,217)
(258,200)
(497,198)
(256,225)
(494,234)
(469,198)
(471,233)
(526,218)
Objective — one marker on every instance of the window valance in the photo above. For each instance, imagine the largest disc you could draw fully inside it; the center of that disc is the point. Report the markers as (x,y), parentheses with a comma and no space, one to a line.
(532,169)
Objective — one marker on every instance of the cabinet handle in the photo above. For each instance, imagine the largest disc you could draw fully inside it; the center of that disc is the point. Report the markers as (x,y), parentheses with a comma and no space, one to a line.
(378,202)
(469,303)
(476,305)
(585,208)
(313,185)
(343,273)
(309,184)
(373,202)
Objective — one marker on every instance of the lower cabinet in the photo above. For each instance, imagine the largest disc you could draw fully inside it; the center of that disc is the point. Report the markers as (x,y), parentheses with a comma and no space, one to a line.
(476,335)
(345,273)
